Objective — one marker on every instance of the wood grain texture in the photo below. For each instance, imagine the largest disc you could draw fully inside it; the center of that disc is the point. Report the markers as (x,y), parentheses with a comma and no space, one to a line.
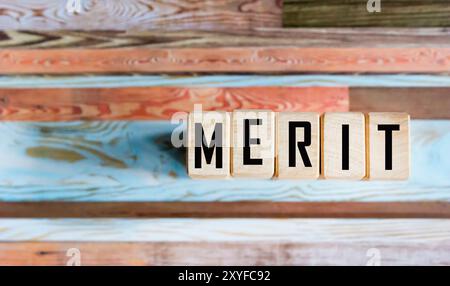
(122,161)
(152,103)
(258,37)
(225,241)
(224,254)
(321,80)
(225,230)
(140,15)
(226,60)
(354,13)
(333,147)
(304,166)
(261,125)
(246,209)
(378,139)
(215,130)
(418,102)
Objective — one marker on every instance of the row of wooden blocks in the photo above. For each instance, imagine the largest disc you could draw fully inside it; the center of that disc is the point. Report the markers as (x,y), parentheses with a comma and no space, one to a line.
(296,145)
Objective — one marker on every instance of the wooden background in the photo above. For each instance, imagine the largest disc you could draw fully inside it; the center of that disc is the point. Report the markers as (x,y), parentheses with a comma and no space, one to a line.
(353,13)
(86,160)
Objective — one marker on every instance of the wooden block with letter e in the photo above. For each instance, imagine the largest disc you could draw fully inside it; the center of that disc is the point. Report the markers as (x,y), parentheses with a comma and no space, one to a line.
(389,146)
(298,145)
(208,145)
(253,136)
(343,146)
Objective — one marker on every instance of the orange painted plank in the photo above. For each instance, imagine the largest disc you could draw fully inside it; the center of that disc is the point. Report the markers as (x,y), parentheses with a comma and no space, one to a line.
(62,104)
(227,60)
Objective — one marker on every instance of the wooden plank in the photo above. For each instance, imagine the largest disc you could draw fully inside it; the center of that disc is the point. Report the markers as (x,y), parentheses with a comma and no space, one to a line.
(225,230)
(140,15)
(224,254)
(226,60)
(258,37)
(323,80)
(152,103)
(122,161)
(354,13)
(418,102)
(225,209)
(225,241)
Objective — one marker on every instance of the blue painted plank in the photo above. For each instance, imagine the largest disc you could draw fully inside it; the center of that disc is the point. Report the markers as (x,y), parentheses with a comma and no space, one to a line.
(397,80)
(134,161)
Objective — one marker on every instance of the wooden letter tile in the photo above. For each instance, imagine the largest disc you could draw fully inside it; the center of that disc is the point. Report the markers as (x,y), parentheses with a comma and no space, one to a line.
(253,135)
(343,146)
(210,160)
(298,145)
(389,147)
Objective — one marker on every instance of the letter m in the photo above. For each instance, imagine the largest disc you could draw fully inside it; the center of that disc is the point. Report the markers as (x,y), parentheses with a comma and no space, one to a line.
(215,144)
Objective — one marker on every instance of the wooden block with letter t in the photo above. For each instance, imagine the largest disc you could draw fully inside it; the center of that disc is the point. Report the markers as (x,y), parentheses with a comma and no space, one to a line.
(298,145)
(253,136)
(343,146)
(208,145)
(389,146)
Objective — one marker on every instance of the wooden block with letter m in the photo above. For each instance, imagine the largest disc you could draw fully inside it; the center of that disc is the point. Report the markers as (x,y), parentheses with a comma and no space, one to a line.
(208,145)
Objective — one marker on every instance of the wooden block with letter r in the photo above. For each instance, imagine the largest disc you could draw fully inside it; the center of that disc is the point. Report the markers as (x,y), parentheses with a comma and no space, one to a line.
(389,145)
(253,136)
(343,146)
(298,145)
(208,145)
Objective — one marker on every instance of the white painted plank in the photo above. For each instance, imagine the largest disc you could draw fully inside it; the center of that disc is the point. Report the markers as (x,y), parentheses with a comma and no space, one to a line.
(227,230)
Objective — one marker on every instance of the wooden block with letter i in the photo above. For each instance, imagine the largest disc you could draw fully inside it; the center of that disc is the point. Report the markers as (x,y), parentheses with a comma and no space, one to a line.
(253,136)
(208,145)
(389,146)
(343,146)
(298,145)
